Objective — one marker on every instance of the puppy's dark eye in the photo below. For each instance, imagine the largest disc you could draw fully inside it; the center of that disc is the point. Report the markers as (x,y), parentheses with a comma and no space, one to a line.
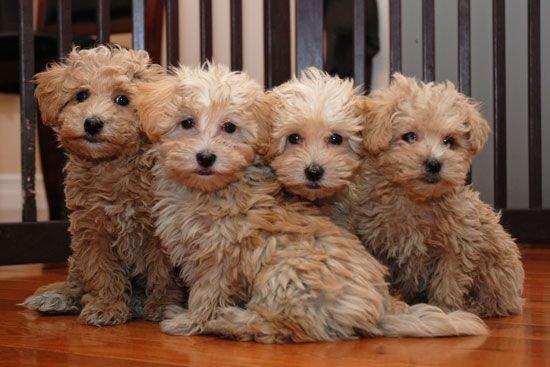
(335,139)
(409,137)
(294,139)
(188,124)
(82,96)
(449,141)
(229,127)
(122,100)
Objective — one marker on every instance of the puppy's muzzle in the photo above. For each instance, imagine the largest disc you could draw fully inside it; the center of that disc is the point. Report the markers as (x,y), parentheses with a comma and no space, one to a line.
(93,125)
(205,159)
(314,172)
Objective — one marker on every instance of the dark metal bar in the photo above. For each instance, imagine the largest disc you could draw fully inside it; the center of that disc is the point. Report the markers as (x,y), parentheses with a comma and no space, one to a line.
(28,109)
(535,142)
(276,42)
(464,54)
(395,36)
(138,24)
(103,21)
(172,33)
(359,42)
(309,34)
(64,27)
(464,47)
(206,29)
(499,103)
(428,40)
(236,35)
(152,34)
(41,242)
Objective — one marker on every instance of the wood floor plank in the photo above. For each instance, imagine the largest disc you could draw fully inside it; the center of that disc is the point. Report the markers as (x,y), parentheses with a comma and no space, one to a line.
(30,339)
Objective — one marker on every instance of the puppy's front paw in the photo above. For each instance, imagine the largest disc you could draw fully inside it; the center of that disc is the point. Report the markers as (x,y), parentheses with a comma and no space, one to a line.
(105,314)
(397,306)
(172,311)
(155,311)
(53,303)
(182,324)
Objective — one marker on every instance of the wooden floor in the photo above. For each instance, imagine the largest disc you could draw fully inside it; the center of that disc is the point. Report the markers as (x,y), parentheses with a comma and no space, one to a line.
(32,340)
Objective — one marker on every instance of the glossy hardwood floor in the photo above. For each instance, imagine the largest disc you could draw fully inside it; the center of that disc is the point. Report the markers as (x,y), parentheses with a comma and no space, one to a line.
(29,339)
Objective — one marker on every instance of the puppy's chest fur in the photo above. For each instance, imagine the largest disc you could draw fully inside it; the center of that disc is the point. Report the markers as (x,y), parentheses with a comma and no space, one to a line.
(405,235)
(112,198)
(212,235)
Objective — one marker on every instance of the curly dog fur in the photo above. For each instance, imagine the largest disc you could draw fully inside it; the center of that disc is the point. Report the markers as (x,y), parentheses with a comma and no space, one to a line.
(258,268)
(316,145)
(117,269)
(412,210)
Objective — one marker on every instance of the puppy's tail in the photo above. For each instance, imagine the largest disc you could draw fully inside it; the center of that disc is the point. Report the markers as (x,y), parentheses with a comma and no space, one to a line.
(425,321)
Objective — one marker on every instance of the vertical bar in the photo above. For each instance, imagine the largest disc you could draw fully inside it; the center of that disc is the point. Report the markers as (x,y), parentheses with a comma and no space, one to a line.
(464,55)
(535,143)
(464,47)
(28,109)
(206,29)
(236,35)
(172,33)
(103,21)
(138,24)
(309,34)
(499,103)
(64,29)
(276,42)
(359,42)
(395,36)
(152,33)
(428,40)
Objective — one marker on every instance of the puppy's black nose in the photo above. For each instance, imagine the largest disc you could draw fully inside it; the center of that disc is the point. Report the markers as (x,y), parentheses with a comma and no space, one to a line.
(433,165)
(93,125)
(205,159)
(314,172)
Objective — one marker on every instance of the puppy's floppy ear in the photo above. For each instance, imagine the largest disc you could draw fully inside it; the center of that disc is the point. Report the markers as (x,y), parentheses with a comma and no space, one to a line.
(262,111)
(478,128)
(273,148)
(377,111)
(49,93)
(153,103)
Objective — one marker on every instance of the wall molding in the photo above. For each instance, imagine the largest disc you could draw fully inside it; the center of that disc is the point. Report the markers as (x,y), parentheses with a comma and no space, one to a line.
(11,193)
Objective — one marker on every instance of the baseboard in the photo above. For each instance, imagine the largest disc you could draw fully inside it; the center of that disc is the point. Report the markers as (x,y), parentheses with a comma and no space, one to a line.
(11,193)
(528,225)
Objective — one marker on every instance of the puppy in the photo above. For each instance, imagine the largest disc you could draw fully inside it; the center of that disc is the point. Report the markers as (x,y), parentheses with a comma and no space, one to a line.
(316,145)
(117,269)
(257,268)
(412,210)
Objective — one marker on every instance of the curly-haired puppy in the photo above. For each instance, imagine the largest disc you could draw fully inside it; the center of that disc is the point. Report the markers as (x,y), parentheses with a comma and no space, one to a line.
(412,209)
(258,268)
(117,269)
(316,145)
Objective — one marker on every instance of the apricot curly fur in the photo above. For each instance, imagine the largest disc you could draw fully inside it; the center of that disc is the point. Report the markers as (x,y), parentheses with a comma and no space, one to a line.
(117,270)
(443,245)
(258,268)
